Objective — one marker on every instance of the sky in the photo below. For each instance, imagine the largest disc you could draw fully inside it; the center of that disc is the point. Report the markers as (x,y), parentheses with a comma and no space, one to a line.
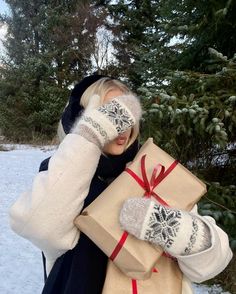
(3,9)
(3,30)
(3,6)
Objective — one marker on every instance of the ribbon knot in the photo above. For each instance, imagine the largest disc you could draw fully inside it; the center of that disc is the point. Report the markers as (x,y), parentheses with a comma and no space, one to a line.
(159,173)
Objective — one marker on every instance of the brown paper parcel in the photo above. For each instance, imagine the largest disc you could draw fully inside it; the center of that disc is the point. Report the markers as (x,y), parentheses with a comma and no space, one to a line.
(167,279)
(100,220)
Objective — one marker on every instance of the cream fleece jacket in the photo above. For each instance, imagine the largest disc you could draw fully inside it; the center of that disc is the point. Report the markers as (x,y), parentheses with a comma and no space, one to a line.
(45,214)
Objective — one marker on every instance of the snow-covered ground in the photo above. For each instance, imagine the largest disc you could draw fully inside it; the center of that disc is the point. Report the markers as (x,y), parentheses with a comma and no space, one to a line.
(20,262)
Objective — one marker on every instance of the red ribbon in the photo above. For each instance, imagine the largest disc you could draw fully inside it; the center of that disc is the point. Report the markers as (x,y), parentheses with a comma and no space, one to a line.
(149,191)
(155,179)
(135,286)
(119,245)
(148,187)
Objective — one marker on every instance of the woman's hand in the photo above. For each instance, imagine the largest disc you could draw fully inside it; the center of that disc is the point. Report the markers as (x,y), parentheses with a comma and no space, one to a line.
(177,232)
(102,124)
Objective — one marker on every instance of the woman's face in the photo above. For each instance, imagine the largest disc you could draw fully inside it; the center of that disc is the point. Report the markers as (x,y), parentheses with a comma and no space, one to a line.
(118,145)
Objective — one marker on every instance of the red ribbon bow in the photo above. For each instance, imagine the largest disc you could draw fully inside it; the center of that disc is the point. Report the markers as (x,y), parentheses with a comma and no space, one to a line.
(155,179)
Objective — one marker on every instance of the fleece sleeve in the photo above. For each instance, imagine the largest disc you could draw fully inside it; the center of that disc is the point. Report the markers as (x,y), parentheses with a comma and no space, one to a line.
(45,214)
(208,263)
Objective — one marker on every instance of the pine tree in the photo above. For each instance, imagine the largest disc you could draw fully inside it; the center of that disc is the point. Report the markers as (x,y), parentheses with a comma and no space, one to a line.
(193,117)
(199,25)
(153,37)
(137,39)
(48,47)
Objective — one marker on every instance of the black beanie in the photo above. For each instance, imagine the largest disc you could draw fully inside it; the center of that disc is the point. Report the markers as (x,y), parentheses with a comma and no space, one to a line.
(74,108)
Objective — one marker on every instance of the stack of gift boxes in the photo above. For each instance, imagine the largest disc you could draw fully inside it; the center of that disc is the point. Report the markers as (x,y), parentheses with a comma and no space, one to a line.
(136,264)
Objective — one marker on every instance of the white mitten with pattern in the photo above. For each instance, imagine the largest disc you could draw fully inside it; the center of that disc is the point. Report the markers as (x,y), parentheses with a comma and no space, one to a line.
(102,124)
(177,232)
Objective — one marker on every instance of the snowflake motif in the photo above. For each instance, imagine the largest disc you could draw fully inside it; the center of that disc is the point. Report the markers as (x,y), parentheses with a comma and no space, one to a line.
(119,116)
(163,226)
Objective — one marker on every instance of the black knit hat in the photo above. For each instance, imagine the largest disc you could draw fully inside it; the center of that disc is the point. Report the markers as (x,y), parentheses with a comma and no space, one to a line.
(74,108)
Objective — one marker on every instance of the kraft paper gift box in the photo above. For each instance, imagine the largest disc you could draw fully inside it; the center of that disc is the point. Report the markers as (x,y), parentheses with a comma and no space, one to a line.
(165,278)
(152,173)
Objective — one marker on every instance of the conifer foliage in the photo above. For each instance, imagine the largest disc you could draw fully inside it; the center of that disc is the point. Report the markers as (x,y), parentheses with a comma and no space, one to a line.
(193,117)
(48,48)
(180,57)
(153,37)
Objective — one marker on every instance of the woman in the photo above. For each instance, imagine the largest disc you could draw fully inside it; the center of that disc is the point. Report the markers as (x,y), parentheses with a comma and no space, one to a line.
(100,141)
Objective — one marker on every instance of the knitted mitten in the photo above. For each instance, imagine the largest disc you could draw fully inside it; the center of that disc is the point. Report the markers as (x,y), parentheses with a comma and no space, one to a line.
(102,124)
(177,232)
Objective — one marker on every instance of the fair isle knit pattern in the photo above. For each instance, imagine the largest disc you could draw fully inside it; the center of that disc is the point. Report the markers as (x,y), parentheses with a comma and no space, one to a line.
(96,126)
(200,237)
(193,238)
(107,121)
(163,226)
(178,232)
(118,115)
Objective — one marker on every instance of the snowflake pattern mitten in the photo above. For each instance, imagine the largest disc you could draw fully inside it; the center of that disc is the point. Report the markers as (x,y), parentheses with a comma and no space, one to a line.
(102,124)
(177,232)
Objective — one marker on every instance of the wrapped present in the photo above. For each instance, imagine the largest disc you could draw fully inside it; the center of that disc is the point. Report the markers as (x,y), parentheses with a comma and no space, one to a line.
(153,173)
(166,277)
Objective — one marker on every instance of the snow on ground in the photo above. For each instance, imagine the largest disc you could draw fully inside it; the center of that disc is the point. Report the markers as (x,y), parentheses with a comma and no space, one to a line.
(20,262)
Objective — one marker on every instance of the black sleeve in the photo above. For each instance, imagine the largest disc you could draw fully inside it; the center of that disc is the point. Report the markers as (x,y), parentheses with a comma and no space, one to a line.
(44,164)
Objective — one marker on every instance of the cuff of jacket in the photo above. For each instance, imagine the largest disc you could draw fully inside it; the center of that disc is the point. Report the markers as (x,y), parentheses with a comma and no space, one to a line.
(204,265)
